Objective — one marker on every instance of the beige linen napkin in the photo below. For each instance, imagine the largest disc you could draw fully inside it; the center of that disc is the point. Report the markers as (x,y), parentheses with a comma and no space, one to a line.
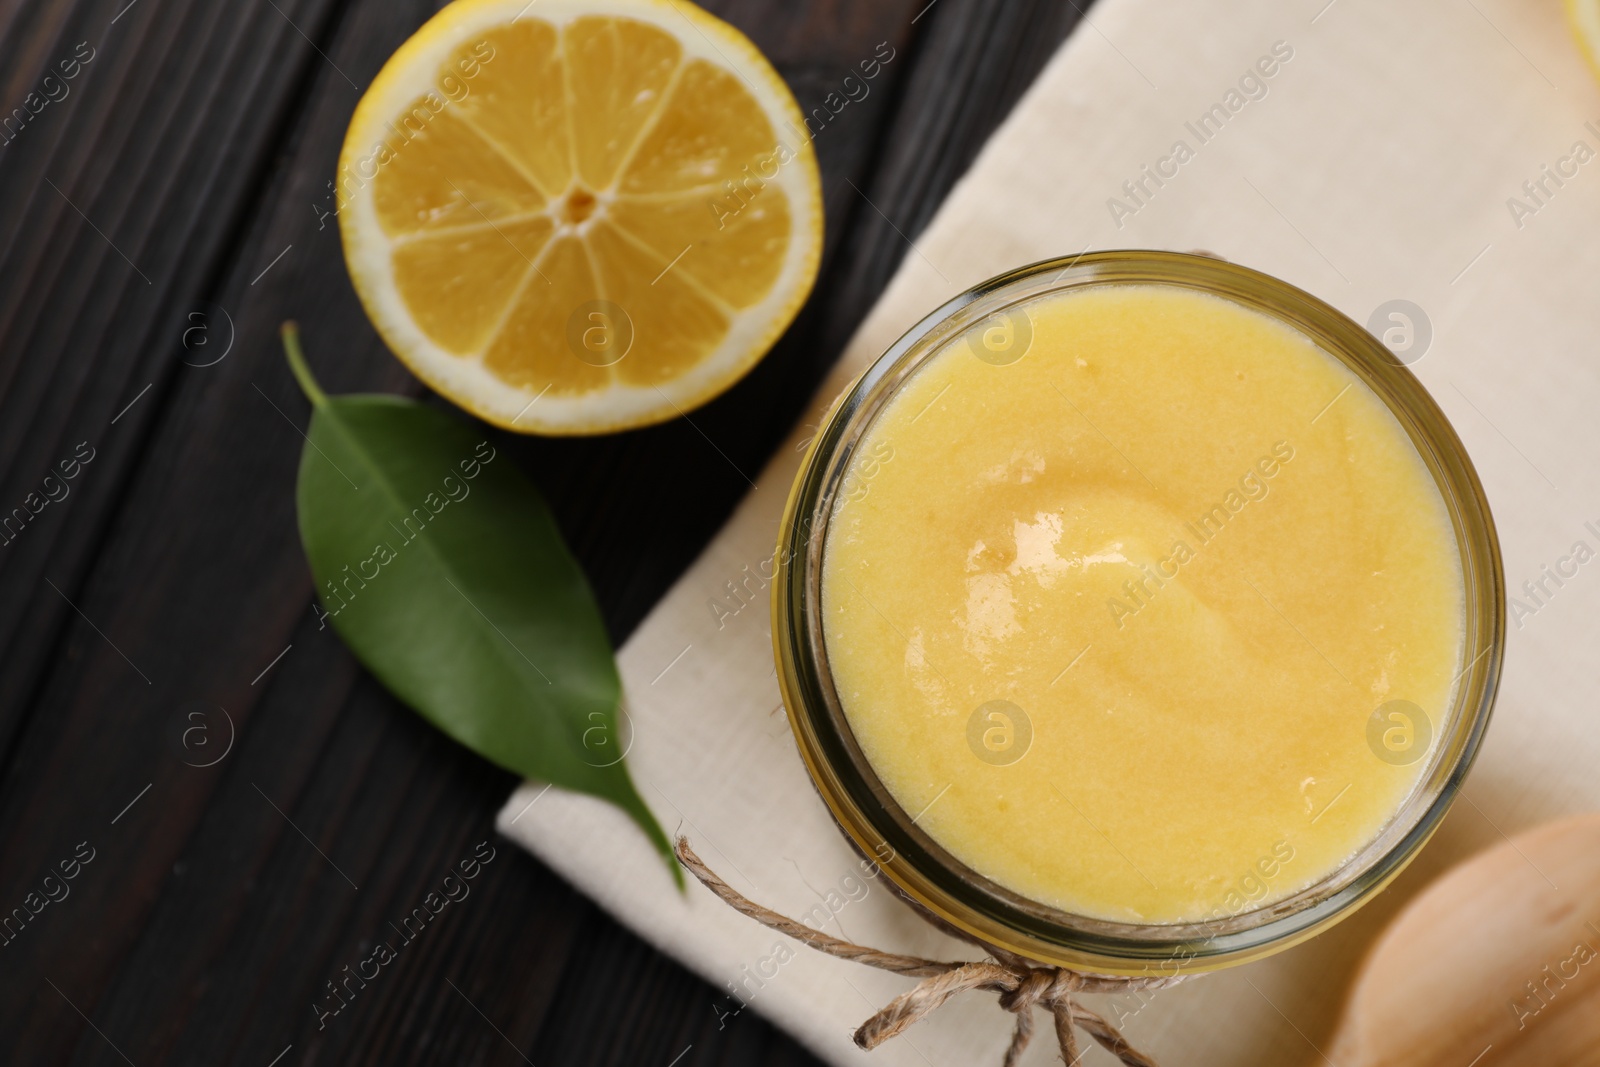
(1384,158)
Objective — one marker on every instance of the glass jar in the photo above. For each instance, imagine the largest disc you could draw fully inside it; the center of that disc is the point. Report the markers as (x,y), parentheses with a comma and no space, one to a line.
(993,914)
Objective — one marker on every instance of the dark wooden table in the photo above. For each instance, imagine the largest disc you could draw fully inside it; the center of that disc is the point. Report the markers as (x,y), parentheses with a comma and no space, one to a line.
(159,212)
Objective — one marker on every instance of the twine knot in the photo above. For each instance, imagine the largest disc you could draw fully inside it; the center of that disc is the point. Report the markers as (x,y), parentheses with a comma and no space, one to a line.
(1021,985)
(1040,985)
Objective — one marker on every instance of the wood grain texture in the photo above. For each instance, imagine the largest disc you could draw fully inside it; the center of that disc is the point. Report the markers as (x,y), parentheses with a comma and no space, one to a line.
(184,172)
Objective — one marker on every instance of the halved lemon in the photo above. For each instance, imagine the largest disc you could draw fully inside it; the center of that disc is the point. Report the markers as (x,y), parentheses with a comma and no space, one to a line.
(579,216)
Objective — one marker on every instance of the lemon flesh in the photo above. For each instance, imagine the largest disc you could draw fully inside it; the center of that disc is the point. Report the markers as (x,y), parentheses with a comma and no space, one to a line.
(579,217)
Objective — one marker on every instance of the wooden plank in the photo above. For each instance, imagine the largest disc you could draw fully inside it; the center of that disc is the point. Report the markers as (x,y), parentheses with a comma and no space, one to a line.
(221,900)
(116,204)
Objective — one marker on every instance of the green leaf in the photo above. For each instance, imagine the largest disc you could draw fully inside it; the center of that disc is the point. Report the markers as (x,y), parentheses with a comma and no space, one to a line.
(440,566)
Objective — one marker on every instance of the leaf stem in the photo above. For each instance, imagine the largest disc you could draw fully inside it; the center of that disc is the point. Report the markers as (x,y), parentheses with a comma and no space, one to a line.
(290,332)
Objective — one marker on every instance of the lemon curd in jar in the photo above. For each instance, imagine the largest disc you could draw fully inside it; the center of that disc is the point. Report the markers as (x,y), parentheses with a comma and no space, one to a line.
(1142,605)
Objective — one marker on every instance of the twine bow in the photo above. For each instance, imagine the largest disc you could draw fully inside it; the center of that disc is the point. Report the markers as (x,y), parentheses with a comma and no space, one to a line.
(1020,983)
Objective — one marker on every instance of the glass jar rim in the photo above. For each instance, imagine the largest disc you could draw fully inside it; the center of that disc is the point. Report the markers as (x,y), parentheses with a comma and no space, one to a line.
(922,868)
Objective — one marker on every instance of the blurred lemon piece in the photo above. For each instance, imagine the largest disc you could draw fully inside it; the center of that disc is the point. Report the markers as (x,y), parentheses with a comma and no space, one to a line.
(1585,18)
(579,216)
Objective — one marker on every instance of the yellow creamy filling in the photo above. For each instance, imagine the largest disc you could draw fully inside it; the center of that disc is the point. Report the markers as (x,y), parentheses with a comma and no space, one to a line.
(1143,605)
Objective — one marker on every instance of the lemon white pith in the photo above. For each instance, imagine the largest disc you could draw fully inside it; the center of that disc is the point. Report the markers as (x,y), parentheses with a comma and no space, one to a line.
(576,217)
